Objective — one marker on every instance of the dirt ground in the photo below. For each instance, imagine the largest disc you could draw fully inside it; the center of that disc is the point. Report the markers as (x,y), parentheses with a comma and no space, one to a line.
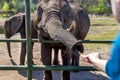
(38,75)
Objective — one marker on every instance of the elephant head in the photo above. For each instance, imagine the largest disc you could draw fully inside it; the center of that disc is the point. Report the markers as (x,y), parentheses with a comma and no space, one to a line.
(56,18)
(12,26)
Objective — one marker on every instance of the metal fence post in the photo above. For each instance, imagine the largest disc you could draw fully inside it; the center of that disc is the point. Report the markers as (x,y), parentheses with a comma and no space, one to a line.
(28,37)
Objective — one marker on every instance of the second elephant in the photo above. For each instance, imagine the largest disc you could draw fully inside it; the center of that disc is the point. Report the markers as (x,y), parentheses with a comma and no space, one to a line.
(16,24)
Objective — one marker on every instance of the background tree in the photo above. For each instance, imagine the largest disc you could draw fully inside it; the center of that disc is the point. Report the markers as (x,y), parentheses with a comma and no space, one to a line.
(95,6)
(16,6)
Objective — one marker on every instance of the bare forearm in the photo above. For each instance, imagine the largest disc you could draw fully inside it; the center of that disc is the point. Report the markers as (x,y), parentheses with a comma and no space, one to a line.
(99,64)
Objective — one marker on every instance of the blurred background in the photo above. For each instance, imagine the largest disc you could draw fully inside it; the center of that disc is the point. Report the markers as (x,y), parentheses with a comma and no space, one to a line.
(103,26)
(11,7)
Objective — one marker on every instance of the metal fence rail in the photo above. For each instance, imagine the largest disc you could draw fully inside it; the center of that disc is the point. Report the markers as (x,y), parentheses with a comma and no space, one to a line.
(42,67)
(51,41)
(29,67)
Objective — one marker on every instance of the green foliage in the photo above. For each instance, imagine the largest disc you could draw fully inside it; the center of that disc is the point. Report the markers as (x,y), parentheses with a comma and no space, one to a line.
(95,6)
(33,5)
(1,30)
(15,6)
(101,8)
(5,7)
(20,6)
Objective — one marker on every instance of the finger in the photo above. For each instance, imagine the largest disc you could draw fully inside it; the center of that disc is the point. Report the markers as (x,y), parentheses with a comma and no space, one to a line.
(88,60)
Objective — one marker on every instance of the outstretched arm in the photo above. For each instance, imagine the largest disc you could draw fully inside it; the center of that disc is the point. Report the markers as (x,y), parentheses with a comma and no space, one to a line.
(94,58)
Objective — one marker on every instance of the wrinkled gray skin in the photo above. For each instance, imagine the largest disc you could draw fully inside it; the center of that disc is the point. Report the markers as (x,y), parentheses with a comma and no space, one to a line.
(82,30)
(16,24)
(52,24)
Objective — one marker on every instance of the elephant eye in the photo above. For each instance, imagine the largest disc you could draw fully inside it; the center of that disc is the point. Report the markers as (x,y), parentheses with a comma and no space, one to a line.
(66,12)
(66,9)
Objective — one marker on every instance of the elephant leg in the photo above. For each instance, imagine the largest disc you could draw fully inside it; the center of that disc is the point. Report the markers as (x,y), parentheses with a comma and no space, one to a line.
(32,52)
(23,53)
(55,60)
(23,47)
(66,62)
(46,51)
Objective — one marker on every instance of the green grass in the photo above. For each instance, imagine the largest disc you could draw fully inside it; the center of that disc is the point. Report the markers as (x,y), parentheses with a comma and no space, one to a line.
(1,30)
(108,35)
(1,25)
(102,28)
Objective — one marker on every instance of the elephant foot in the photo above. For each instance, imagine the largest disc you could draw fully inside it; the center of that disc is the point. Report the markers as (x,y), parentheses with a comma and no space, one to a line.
(21,64)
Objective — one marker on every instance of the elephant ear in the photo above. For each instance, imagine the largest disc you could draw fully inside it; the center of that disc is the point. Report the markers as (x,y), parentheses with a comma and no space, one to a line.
(15,23)
(37,18)
(35,21)
(84,18)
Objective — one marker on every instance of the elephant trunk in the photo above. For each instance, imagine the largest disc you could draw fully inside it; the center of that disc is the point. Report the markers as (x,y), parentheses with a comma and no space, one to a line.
(55,30)
(8,47)
(7,36)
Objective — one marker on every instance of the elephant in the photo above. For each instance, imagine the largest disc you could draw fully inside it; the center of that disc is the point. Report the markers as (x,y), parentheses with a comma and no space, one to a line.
(64,22)
(15,24)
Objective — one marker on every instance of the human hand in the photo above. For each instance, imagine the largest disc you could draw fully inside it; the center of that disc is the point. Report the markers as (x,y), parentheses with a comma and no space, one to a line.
(90,58)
